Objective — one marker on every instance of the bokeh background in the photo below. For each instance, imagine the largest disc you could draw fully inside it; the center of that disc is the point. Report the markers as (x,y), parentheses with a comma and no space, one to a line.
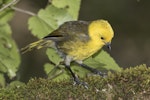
(130,20)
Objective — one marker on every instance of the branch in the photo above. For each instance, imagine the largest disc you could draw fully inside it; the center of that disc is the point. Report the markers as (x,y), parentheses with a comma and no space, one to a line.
(23,11)
(8,5)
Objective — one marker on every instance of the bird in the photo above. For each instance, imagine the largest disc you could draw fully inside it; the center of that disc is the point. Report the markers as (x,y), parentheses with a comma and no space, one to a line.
(76,41)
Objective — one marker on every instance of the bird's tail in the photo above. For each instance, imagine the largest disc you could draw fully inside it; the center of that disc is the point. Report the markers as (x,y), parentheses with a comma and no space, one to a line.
(36,45)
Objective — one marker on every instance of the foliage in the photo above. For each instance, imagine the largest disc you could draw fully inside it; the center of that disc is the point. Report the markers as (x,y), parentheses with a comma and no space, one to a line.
(48,20)
(9,55)
(129,84)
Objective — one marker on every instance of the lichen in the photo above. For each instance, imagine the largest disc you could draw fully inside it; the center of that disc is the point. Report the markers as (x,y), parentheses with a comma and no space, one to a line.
(130,84)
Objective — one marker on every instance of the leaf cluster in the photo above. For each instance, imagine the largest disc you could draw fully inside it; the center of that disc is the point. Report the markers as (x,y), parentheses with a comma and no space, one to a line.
(9,55)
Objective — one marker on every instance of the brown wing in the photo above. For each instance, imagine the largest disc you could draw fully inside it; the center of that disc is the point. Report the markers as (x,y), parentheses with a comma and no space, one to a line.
(69,31)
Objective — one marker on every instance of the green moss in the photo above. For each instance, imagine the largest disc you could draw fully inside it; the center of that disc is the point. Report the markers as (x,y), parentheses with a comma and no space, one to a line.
(131,83)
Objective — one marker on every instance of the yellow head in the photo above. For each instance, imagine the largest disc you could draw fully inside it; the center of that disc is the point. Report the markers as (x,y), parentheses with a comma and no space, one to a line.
(101,32)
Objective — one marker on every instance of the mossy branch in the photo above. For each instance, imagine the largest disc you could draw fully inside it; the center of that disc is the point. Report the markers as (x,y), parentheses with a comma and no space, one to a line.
(129,84)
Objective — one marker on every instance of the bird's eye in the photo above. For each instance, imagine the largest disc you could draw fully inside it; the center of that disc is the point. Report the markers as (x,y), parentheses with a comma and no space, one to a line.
(102,38)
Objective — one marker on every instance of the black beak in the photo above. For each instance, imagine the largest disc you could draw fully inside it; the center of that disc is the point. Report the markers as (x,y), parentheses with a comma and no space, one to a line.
(108,45)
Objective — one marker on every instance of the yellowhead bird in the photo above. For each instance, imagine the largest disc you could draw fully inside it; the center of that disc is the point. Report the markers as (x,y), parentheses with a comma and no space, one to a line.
(76,41)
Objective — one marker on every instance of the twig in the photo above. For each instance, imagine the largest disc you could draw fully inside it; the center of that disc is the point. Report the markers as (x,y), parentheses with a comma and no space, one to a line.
(16,9)
(23,11)
(8,5)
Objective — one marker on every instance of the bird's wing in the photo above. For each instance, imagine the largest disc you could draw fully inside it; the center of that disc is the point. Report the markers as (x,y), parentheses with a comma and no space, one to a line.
(73,30)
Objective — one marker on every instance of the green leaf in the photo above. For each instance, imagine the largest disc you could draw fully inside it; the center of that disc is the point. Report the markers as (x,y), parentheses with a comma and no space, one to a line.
(38,27)
(1,3)
(6,15)
(5,2)
(108,62)
(9,55)
(72,6)
(48,67)
(80,71)
(56,73)
(101,61)
(2,80)
(48,20)
(53,56)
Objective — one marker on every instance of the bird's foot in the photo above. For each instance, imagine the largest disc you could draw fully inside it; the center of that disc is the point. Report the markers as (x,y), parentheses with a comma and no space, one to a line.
(100,73)
(78,82)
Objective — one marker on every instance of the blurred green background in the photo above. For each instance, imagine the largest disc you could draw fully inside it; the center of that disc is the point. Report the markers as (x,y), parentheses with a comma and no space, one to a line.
(129,19)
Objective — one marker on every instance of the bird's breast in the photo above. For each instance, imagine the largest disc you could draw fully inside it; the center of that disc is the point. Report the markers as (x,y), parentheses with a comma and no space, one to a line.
(81,50)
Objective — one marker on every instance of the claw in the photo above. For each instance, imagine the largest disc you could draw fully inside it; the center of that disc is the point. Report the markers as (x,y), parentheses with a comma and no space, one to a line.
(100,73)
(78,82)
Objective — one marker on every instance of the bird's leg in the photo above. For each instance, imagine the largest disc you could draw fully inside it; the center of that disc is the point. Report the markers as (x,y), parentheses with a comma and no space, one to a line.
(93,70)
(76,80)
(73,75)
